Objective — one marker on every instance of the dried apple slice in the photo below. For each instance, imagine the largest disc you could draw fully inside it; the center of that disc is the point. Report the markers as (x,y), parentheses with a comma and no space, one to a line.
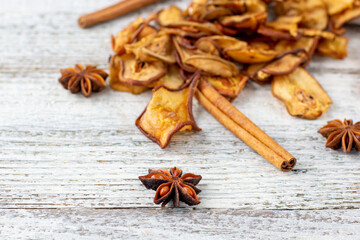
(212,64)
(338,20)
(228,87)
(126,35)
(301,93)
(283,65)
(223,42)
(250,55)
(170,15)
(338,6)
(168,112)
(336,48)
(116,84)
(139,73)
(247,21)
(286,23)
(154,47)
(172,79)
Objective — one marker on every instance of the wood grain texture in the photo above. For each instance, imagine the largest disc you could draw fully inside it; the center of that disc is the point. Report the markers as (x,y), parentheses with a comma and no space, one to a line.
(59,150)
(182,224)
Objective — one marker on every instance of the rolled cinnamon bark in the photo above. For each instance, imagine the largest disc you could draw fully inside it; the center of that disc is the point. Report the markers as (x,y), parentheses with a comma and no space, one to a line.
(113,11)
(243,128)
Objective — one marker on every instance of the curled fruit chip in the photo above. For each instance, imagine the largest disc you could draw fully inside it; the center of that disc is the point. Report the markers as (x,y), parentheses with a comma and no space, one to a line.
(286,23)
(171,15)
(250,55)
(212,64)
(168,112)
(172,79)
(336,48)
(336,6)
(116,84)
(126,35)
(154,47)
(228,87)
(139,73)
(283,65)
(247,21)
(338,20)
(301,93)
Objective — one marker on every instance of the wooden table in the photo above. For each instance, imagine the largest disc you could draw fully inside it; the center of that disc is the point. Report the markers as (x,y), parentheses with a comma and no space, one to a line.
(69,165)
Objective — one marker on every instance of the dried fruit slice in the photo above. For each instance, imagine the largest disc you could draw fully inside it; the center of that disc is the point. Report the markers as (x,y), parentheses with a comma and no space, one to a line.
(338,6)
(116,84)
(172,79)
(250,55)
(228,87)
(286,64)
(286,23)
(126,35)
(168,112)
(301,93)
(212,64)
(170,15)
(338,20)
(247,21)
(139,73)
(336,48)
(154,47)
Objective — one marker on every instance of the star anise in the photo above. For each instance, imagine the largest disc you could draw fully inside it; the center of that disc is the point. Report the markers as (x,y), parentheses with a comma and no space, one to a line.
(342,134)
(85,80)
(172,186)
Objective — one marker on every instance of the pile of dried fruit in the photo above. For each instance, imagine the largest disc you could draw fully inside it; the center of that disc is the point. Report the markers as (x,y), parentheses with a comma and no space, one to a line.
(172,50)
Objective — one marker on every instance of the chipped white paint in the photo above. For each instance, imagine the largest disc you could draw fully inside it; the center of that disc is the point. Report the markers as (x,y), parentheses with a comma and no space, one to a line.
(59,150)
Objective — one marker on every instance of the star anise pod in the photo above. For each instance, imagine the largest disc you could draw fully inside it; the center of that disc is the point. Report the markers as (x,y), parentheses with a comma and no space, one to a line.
(342,134)
(85,80)
(172,186)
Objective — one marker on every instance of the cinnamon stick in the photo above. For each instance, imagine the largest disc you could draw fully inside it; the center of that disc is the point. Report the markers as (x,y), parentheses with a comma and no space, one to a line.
(243,127)
(113,11)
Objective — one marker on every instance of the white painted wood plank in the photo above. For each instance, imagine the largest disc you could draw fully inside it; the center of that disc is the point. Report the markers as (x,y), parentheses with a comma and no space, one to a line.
(179,224)
(62,150)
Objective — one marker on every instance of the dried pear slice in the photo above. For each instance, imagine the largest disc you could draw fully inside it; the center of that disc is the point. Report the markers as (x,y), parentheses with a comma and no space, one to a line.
(212,64)
(245,21)
(286,64)
(170,15)
(154,47)
(116,84)
(172,79)
(336,48)
(215,13)
(301,93)
(338,20)
(286,23)
(337,6)
(228,87)
(223,42)
(168,112)
(206,27)
(250,55)
(139,73)
(126,35)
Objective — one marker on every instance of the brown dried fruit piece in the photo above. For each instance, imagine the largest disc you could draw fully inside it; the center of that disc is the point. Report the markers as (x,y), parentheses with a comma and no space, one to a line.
(126,35)
(212,64)
(170,15)
(139,73)
(336,48)
(168,112)
(172,186)
(228,87)
(247,21)
(301,93)
(338,20)
(286,64)
(286,23)
(154,47)
(116,84)
(172,79)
